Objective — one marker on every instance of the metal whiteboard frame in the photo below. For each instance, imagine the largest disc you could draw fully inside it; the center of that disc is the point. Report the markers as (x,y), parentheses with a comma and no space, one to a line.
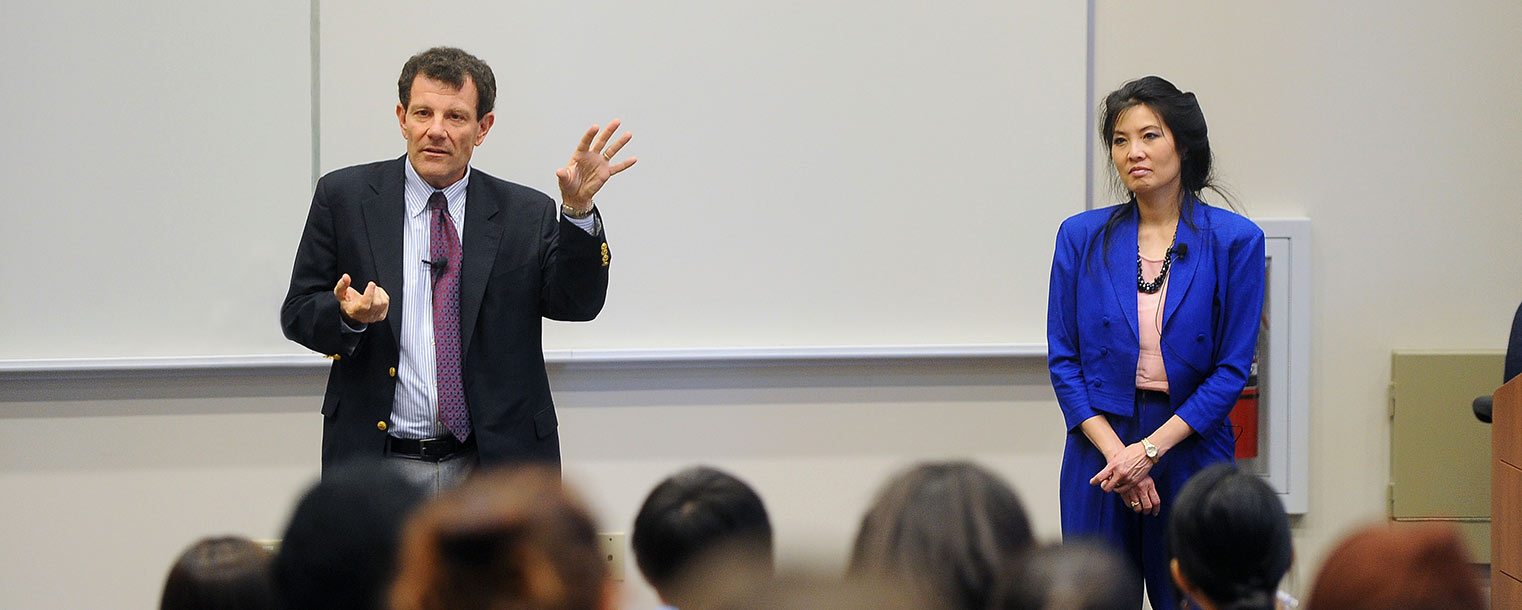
(264,364)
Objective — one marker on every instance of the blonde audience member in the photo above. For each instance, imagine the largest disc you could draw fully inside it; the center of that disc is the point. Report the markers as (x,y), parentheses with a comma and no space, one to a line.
(509,539)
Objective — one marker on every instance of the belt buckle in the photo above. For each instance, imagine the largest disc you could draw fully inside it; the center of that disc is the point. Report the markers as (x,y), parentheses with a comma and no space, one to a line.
(435,448)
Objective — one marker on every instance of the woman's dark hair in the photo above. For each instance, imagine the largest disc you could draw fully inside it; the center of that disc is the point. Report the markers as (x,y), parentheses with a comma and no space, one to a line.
(1230,535)
(1180,111)
(228,573)
(508,539)
(948,529)
(1072,576)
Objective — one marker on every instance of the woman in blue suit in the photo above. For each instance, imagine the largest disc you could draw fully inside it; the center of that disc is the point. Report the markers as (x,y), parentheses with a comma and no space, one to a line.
(1151,325)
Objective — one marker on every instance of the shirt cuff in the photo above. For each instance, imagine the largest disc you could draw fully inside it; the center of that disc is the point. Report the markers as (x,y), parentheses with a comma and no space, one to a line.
(591,223)
(350,335)
(351,330)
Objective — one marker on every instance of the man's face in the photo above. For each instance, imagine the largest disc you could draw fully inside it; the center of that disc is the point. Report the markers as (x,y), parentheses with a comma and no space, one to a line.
(442,129)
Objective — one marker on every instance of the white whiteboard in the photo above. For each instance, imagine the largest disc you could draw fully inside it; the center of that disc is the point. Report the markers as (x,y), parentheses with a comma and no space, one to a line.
(820,173)
(156,172)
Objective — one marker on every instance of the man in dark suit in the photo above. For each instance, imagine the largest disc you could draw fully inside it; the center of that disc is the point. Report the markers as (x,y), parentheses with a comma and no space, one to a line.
(453,375)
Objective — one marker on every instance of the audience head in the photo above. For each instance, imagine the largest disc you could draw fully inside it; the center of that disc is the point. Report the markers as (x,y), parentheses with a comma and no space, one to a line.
(229,573)
(507,539)
(1075,576)
(1424,567)
(948,528)
(339,550)
(696,522)
(1230,540)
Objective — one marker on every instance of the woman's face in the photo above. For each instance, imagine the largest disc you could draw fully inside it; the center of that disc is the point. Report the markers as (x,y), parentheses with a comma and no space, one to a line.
(1144,153)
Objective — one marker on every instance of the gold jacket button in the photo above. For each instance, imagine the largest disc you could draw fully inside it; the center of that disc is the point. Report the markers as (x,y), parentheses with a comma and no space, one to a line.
(335,357)
(380,425)
(393,371)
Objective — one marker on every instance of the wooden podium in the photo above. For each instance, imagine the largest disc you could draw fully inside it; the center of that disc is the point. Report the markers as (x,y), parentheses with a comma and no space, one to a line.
(1506,496)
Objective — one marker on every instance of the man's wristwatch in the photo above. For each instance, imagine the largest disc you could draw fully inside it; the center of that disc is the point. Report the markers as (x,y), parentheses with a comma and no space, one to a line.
(1151,449)
(572,213)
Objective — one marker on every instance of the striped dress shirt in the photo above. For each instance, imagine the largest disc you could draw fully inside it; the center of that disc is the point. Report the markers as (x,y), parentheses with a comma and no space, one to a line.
(414,410)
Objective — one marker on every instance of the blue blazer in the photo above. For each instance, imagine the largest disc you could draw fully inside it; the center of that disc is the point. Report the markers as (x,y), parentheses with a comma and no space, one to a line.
(1211,316)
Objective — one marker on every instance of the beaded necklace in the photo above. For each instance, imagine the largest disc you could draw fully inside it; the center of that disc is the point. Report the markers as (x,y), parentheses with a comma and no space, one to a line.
(1142,285)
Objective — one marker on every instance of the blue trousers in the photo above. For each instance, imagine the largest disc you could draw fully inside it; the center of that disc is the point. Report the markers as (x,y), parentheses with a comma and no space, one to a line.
(1090,513)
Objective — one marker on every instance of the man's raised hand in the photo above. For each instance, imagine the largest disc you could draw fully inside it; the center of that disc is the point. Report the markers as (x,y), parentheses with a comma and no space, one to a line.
(591,165)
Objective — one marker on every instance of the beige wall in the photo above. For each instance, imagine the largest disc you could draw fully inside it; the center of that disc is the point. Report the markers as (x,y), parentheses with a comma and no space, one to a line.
(104,482)
(1393,126)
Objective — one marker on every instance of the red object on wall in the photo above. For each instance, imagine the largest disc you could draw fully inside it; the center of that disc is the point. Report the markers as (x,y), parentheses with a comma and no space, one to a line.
(1244,422)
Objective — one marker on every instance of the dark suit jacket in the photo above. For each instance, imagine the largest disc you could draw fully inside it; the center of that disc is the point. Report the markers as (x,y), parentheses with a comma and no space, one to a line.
(519,264)
(1211,316)
(1514,348)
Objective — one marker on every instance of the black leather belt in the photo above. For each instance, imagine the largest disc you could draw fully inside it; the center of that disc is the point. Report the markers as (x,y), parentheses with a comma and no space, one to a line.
(436,449)
(1151,395)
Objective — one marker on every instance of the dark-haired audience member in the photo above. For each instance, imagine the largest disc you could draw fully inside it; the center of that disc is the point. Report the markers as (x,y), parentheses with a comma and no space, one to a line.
(1423,567)
(947,529)
(698,529)
(228,573)
(1075,576)
(339,549)
(1230,540)
(508,539)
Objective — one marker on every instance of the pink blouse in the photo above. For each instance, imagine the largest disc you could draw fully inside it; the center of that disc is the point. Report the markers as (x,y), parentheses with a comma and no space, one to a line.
(1150,374)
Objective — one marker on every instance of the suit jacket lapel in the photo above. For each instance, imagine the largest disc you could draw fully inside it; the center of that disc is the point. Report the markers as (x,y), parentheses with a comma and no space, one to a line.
(483,231)
(385,219)
(1120,261)
(1181,270)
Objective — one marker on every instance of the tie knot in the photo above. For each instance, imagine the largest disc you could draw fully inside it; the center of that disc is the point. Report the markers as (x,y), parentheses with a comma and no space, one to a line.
(436,201)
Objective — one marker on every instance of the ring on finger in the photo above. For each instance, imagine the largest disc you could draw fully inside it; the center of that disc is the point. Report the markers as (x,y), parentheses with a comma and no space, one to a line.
(1135,504)
(607,156)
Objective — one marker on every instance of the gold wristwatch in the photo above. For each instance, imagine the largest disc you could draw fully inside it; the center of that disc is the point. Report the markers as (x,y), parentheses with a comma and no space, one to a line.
(1151,449)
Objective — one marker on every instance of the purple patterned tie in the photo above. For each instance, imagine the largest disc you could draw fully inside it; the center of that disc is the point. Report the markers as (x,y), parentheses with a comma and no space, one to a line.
(444,245)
